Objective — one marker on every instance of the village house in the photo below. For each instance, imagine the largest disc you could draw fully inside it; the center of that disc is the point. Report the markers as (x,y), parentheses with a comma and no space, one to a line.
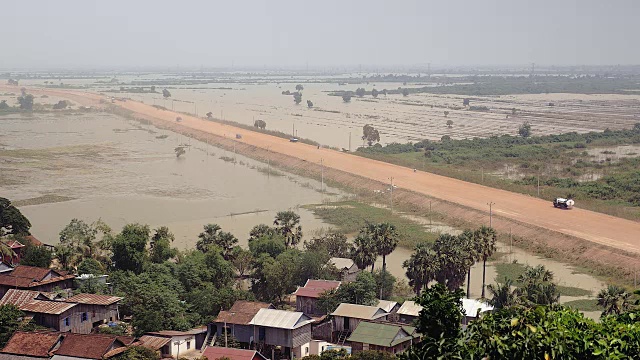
(34,278)
(282,329)
(307,296)
(215,352)
(408,312)
(388,337)
(56,345)
(175,344)
(78,314)
(388,306)
(237,321)
(346,318)
(31,345)
(472,310)
(348,269)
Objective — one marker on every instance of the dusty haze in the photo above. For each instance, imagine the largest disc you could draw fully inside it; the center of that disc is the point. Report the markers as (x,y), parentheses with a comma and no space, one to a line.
(95,34)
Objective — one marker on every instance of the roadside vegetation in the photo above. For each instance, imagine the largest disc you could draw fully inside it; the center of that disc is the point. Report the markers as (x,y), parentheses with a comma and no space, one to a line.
(565,165)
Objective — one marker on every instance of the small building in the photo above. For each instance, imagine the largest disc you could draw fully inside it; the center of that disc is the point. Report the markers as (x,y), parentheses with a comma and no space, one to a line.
(279,328)
(16,249)
(472,309)
(388,306)
(388,337)
(348,269)
(317,347)
(78,314)
(34,278)
(31,345)
(91,346)
(237,321)
(215,352)
(175,344)
(307,296)
(346,318)
(409,311)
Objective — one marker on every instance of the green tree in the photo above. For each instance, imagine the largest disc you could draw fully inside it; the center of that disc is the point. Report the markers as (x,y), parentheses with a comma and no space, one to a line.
(26,102)
(374,93)
(449,123)
(138,353)
(179,150)
(299,87)
(385,284)
(62,104)
(212,236)
(12,320)
(421,267)
(614,300)
(272,245)
(36,255)
(79,236)
(370,134)
(287,224)
(4,105)
(334,243)
(538,286)
(486,238)
(261,230)
(65,256)
(405,92)
(386,238)
(452,259)
(364,252)
(90,266)
(130,248)
(309,104)
(160,245)
(261,124)
(11,220)
(241,260)
(166,93)
(525,129)
(346,97)
(360,92)
(503,295)
(362,291)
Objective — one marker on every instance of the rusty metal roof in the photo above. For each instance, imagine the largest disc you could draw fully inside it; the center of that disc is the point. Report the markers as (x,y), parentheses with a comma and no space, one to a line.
(90,346)
(216,352)
(29,276)
(36,344)
(46,307)
(242,312)
(94,299)
(18,297)
(154,342)
(315,288)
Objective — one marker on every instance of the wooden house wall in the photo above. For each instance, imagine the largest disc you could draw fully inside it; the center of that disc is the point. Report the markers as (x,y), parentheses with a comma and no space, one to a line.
(301,335)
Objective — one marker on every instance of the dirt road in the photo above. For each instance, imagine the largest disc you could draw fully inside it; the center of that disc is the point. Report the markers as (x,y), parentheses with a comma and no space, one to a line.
(587,225)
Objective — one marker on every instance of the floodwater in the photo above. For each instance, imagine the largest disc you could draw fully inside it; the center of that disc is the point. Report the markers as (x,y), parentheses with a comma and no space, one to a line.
(119,171)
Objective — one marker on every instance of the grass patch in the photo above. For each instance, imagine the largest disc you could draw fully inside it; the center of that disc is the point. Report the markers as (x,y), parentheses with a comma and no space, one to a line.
(351,216)
(573,291)
(510,271)
(584,305)
(44,199)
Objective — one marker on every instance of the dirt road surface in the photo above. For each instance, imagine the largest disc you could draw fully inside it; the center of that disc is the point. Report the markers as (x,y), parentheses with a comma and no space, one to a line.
(587,225)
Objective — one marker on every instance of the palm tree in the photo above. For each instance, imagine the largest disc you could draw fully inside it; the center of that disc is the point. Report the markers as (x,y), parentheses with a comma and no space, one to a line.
(614,300)
(288,225)
(502,294)
(485,237)
(452,259)
(386,241)
(466,239)
(538,286)
(65,256)
(207,237)
(421,267)
(364,252)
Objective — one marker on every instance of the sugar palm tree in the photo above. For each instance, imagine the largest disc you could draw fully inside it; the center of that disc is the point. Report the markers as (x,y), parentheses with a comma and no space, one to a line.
(614,300)
(538,286)
(386,241)
(486,238)
(503,295)
(466,240)
(288,225)
(364,252)
(421,267)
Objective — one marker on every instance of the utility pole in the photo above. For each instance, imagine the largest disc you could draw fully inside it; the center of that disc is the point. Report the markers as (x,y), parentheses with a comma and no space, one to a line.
(349,141)
(322,176)
(268,163)
(538,185)
(490,212)
(391,195)
(430,223)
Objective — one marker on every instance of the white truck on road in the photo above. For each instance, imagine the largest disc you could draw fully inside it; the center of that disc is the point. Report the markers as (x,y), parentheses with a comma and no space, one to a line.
(563,203)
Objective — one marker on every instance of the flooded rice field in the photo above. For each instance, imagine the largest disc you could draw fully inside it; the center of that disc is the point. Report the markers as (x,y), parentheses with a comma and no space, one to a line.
(121,171)
(399,118)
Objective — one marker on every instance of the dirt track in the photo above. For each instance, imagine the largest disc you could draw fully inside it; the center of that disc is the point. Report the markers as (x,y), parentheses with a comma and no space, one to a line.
(586,225)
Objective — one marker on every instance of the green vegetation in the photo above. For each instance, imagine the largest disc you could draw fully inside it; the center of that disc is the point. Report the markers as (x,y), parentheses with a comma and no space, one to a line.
(562,163)
(583,305)
(351,216)
(12,320)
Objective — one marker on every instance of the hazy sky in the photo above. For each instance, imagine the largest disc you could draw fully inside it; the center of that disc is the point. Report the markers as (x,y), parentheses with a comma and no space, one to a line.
(112,33)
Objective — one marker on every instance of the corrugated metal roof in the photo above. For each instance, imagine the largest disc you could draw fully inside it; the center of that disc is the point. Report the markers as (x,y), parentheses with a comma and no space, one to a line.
(471,307)
(380,334)
(18,297)
(341,263)
(46,307)
(36,344)
(154,342)
(359,311)
(315,288)
(409,308)
(280,319)
(386,305)
(90,346)
(216,352)
(94,299)
(241,312)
